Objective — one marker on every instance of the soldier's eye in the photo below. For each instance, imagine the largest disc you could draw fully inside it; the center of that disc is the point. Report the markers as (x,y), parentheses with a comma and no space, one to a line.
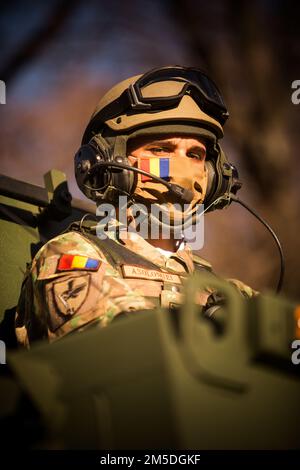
(159,150)
(196,155)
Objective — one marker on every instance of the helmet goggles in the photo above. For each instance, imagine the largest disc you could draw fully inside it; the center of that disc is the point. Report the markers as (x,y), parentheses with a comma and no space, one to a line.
(141,97)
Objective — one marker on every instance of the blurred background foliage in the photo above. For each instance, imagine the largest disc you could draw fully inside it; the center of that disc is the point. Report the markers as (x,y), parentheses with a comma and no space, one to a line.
(59,57)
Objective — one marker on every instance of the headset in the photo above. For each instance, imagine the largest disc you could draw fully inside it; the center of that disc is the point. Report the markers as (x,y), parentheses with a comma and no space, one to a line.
(104,173)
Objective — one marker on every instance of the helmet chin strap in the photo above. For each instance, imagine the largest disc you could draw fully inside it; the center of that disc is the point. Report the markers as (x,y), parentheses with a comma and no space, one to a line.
(173,227)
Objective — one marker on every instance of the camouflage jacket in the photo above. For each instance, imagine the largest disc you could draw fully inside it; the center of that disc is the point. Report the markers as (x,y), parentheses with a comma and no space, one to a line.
(75,280)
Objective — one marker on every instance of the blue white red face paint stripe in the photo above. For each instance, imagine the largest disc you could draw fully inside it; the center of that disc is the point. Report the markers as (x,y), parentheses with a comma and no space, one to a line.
(156,166)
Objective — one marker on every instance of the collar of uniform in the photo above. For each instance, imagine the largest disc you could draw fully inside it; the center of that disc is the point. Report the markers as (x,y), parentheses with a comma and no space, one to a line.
(184,257)
(134,242)
(181,260)
(187,256)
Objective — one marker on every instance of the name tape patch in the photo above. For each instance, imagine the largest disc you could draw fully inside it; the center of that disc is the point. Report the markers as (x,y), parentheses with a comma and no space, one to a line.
(152,274)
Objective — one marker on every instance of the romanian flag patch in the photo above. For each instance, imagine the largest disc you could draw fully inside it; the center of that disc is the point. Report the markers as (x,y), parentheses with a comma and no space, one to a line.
(157,166)
(70,262)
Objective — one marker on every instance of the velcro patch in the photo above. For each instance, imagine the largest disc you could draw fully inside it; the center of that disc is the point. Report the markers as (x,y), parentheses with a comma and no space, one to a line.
(69,294)
(137,272)
(75,262)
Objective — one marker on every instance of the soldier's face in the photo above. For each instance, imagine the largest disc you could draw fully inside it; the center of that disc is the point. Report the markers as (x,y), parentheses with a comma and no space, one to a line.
(186,168)
(175,147)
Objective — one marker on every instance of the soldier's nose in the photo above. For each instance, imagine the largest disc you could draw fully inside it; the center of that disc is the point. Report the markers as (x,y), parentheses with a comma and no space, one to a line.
(180,153)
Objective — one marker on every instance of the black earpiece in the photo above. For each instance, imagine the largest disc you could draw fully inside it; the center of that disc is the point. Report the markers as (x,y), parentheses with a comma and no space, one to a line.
(222,180)
(85,159)
(96,180)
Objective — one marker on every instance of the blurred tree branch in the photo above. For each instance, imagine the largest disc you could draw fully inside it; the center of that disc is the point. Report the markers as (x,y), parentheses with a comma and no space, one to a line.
(235,44)
(39,39)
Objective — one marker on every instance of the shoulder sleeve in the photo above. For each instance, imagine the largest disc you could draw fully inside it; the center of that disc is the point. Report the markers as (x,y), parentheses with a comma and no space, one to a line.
(66,253)
(23,311)
(202,262)
(244,289)
(60,290)
(69,286)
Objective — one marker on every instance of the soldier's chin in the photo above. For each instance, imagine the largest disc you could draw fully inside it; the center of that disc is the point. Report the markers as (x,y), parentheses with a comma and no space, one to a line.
(177,215)
(183,210)
(175,212)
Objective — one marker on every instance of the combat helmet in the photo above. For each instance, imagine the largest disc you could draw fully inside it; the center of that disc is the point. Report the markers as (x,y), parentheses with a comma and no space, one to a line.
(167,100)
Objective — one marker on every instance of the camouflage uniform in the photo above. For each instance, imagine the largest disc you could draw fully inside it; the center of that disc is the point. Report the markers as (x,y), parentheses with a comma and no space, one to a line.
(110,276)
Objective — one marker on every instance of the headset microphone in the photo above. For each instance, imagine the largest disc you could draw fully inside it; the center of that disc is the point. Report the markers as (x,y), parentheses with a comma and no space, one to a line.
(186,195)
(182,193)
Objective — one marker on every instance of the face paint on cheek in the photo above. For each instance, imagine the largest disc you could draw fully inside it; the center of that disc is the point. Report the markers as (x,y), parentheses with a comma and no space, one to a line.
(156,166)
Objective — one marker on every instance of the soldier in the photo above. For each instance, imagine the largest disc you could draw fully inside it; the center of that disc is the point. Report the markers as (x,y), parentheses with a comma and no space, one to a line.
(154,140)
